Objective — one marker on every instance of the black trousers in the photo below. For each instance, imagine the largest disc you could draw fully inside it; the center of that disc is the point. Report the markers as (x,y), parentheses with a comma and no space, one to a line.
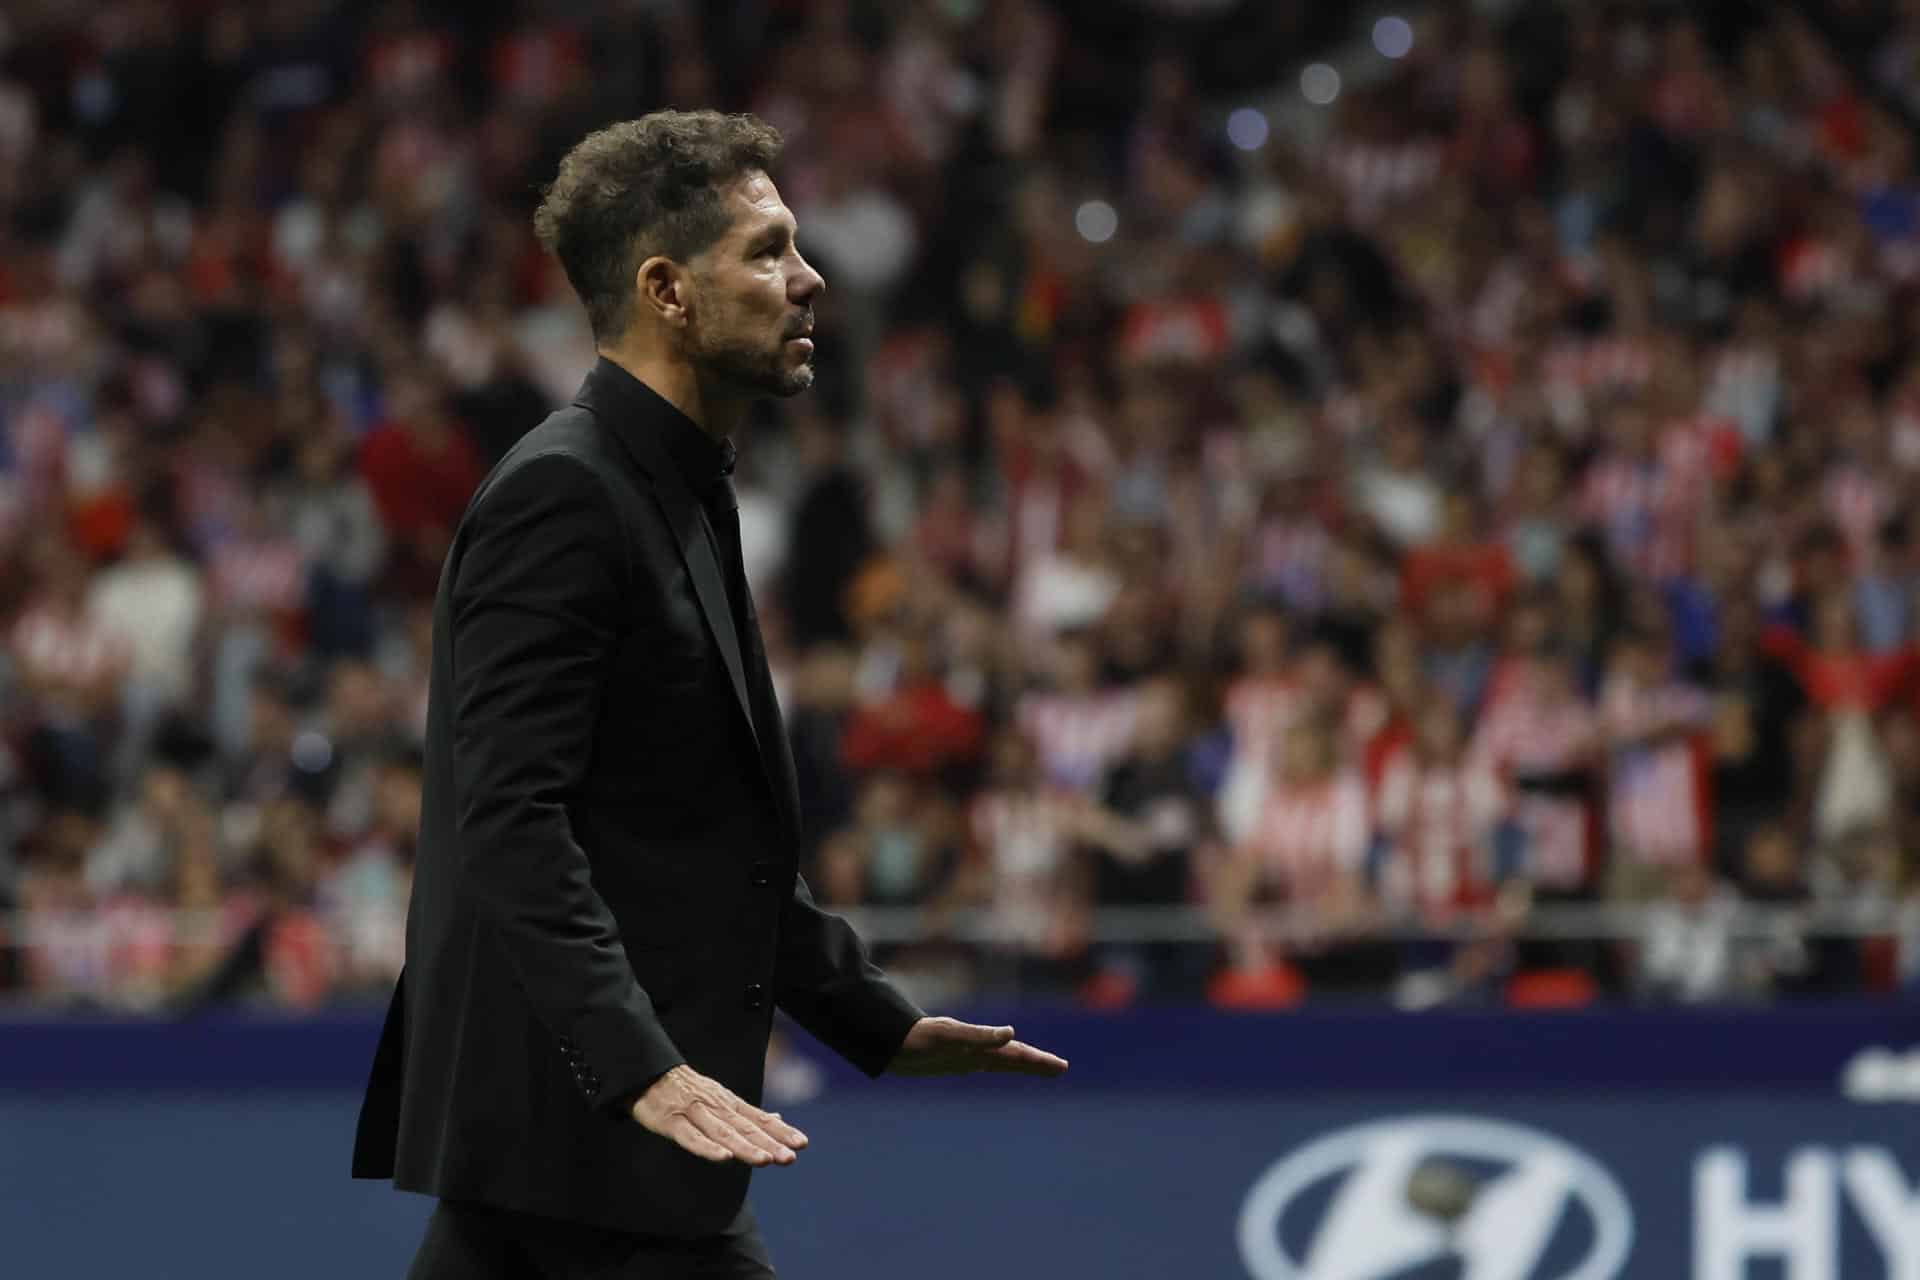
(467,1241)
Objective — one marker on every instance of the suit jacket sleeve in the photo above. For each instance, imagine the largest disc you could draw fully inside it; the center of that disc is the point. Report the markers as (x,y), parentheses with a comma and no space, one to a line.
(830,987)
(536,600)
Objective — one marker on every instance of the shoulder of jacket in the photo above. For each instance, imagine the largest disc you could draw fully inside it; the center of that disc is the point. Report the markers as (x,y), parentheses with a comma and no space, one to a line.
(567,433)
(569,430)
(542,478)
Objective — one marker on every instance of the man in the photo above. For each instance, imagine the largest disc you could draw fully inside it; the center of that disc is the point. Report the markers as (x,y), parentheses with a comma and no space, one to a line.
(606,908)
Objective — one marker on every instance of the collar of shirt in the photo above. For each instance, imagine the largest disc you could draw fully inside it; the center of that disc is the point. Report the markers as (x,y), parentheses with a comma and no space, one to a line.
(700,459)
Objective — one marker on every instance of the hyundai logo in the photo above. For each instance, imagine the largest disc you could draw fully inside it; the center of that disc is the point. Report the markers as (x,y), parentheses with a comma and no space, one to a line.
(1484,1199)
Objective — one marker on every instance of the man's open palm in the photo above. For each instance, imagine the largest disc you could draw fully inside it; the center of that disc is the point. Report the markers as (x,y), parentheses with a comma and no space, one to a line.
(945,1047)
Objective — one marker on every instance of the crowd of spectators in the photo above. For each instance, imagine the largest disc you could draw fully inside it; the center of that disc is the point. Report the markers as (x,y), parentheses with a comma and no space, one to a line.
(1499,500)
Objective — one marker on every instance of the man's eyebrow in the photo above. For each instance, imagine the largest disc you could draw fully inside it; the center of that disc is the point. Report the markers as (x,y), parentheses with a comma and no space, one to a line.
(768,236)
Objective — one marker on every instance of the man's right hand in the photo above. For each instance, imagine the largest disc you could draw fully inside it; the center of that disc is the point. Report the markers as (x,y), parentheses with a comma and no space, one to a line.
(710,1120)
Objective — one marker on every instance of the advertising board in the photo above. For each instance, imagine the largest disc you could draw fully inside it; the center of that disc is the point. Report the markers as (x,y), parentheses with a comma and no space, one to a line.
(1305,1147)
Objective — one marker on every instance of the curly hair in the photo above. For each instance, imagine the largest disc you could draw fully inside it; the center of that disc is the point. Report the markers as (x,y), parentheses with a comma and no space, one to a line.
(644,187)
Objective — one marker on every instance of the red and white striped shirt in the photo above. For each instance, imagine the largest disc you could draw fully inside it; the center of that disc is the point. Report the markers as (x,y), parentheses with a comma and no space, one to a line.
(1655,802)
(1259,710)
(1650,509)
(66,951)
(1024,836)
(1522,732)
(54,645)
(1078,736)
(1311,835)
(1579,367)
(268,575)
(1438,820)
(1858,502)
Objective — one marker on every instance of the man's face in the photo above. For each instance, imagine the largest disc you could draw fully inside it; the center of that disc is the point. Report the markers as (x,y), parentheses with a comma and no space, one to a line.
(753,298)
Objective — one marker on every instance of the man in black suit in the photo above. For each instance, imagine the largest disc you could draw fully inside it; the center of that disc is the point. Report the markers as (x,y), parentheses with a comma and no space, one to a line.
(606,904)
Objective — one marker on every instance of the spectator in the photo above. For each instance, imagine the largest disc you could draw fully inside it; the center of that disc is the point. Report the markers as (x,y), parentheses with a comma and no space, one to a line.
(1457,556)
(1144,834)
(63,960)
(1261,702)
(138,851)
(1308,848)
(902,857)
(918,728)
(352,736)
(1438,812)
(1543,739)
(421,469)
(69,665)
(152,603)
(1069,587)
(1021,828)
(1398,491)
(1855,789)
(1689,951)
(830,523)
(332,518)
(1656,809)
(1079,728)
(1755,702)
(364,896)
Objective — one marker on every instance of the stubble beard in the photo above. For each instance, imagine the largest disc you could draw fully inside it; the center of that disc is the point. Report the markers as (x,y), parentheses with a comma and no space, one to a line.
(738,363)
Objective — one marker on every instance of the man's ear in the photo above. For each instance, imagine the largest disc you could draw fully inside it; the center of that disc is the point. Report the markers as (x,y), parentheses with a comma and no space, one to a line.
(664,289)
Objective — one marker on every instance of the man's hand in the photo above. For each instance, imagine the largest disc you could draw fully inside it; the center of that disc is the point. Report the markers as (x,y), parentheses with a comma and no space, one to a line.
(710,1120)
(944,1047)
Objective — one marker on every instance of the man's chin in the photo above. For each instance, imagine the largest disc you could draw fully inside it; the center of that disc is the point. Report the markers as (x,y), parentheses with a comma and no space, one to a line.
(779,382)
(784,383)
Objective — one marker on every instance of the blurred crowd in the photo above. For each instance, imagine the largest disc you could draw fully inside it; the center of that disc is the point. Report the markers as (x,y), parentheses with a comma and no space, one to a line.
(1497,502)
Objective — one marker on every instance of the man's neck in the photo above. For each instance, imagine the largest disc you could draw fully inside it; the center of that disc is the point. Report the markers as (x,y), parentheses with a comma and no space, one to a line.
(676,382)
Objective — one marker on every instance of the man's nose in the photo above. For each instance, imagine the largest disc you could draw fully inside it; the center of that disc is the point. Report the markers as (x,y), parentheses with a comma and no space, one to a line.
(805,283)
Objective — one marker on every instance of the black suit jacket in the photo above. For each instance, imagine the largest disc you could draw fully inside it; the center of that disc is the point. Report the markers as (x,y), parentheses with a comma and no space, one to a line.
(606,880)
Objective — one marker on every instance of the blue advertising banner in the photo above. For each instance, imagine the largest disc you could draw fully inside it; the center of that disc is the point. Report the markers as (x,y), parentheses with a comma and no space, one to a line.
(1398,1172)
(1176,1047)
(1412,1187)
(1407,1187)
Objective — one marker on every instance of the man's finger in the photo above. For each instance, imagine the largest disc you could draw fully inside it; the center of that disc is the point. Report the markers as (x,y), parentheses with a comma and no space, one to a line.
(771,1124)
(766,1122)
(751,1145)
(1018,1058)
(780,1139)
(743,1140)
(972,1034)
(798,1139)
(715,1128)
(688,1135)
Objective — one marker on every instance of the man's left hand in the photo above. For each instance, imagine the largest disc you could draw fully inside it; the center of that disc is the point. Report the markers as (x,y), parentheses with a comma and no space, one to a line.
(945,1047)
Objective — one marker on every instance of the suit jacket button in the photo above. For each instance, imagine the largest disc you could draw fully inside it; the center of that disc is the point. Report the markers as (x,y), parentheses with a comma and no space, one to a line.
(762,874)
(756,996)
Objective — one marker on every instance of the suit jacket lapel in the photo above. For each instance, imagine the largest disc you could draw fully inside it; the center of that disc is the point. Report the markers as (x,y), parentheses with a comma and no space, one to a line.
(775,754)
(612,402)
(692,532)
